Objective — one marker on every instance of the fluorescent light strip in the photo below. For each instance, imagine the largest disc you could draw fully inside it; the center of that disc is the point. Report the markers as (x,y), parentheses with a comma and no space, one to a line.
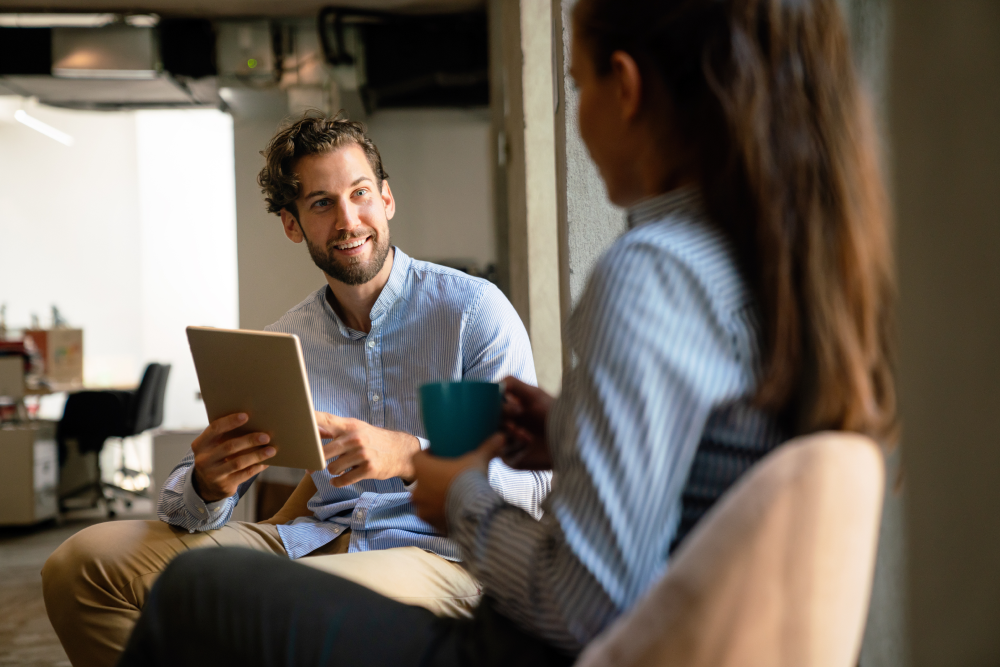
(22,117)
(120,74)
(55,20)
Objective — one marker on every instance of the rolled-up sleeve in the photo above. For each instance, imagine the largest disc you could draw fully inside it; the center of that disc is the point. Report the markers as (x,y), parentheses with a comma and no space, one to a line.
(180,505)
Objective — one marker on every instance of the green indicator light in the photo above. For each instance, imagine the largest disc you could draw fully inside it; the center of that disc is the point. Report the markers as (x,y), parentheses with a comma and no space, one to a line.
(251,63)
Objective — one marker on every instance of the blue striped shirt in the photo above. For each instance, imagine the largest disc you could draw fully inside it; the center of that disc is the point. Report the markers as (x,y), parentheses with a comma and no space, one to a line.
(666,337)
(429,323)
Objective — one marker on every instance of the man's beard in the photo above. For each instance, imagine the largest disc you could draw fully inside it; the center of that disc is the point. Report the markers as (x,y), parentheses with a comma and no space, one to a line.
(355,271)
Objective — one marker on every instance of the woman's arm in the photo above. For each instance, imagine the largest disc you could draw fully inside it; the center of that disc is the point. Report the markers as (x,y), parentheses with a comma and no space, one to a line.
(297,504)
(654,360)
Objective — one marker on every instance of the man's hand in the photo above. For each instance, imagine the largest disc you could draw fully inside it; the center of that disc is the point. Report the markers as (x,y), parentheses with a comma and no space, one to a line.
(222,461)
(435,475)
(364,451)
(525,416)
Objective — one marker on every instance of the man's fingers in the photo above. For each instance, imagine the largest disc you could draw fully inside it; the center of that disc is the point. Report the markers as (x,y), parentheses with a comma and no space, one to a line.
(333,424)
(359,473)
(228,423)
(247,473)
(344,462)
(236,446)
(247,459)
(337,447)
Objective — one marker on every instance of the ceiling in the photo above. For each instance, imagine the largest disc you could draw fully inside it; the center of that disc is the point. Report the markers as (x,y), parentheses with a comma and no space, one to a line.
(229,8)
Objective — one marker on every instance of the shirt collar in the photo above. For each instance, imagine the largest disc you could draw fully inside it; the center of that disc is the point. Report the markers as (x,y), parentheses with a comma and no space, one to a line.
(394,286)
(391,292)
(685,199)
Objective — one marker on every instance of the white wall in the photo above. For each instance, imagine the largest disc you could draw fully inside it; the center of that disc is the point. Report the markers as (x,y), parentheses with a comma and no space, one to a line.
(131,232)
(187,209)
(69,233)
(438,162)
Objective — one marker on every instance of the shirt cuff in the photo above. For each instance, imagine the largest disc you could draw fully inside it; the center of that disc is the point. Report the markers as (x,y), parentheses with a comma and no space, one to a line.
(470,497)
(194,503)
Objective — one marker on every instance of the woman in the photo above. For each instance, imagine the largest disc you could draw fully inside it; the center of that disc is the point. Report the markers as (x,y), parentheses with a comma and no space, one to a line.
(748,303)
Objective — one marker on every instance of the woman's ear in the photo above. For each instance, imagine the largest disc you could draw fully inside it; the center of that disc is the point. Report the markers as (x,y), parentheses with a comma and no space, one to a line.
(628,84)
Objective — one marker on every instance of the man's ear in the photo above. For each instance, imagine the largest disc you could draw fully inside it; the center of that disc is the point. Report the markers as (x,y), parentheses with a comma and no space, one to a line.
(628,80)
(293,230)
(388,200)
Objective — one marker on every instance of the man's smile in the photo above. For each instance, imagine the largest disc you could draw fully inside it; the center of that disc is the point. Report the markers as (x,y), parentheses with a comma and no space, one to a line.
(353,246)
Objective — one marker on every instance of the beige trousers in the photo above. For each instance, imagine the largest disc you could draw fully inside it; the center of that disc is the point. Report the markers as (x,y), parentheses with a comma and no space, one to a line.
(96,583)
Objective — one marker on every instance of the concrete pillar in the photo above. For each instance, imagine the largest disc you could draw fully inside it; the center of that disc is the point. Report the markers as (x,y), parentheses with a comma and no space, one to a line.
(527,151)
(588,222)
(945,128)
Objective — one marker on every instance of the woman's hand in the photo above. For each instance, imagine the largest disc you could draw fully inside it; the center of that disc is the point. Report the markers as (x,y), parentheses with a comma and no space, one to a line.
(525,416)
(434,476)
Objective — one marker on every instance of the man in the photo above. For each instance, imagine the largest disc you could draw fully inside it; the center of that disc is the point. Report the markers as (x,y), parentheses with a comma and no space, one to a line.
(383,325)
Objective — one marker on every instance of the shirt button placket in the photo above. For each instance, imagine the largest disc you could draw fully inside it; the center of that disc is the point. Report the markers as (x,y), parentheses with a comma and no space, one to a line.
(375,374)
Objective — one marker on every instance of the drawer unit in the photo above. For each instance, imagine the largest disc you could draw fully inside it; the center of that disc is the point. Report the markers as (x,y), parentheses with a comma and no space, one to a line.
(29,473)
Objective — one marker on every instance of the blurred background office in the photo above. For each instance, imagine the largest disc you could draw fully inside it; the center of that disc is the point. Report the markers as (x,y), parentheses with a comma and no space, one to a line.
(129,139)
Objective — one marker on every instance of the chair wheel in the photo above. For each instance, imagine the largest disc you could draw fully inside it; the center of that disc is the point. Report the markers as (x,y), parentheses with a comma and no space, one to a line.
(112,514)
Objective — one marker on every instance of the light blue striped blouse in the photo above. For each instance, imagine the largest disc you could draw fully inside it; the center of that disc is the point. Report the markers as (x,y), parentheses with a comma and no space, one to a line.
(429,323)
(667,341)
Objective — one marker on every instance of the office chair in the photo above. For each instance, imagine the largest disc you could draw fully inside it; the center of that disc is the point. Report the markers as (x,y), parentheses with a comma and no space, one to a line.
(90,418)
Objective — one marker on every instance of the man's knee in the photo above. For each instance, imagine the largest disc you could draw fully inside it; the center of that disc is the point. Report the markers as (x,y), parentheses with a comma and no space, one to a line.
(95,555)
(85,547)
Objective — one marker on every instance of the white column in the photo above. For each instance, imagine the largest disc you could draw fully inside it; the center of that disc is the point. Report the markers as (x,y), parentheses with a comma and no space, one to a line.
(530,165)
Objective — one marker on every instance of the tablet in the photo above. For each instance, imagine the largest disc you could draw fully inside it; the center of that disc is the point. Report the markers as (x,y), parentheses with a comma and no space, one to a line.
(264,375)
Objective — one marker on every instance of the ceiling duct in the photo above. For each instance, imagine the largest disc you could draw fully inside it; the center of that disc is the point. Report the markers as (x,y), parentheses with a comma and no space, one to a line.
(111,52)
(127,64)
(411,60)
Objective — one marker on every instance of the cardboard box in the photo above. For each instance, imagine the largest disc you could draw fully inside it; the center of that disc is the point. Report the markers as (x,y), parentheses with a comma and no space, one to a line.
(62,355)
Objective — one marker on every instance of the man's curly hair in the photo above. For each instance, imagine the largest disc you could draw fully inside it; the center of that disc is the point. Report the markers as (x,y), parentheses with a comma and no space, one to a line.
(310,135)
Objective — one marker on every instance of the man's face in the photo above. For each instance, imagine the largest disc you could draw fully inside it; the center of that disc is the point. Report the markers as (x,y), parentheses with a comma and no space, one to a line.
(343,218)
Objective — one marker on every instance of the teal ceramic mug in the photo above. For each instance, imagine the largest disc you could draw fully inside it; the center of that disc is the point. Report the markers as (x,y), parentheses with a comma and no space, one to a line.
(458,416)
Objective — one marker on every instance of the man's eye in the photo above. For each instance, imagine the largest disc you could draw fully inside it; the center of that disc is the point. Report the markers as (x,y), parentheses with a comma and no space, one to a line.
(321,202)
(361,193)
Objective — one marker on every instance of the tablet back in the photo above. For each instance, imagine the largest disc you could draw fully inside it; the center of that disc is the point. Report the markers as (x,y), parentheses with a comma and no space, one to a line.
(262,374)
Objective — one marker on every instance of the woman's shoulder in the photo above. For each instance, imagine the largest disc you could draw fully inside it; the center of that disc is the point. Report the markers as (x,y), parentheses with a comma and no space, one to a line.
(676,255)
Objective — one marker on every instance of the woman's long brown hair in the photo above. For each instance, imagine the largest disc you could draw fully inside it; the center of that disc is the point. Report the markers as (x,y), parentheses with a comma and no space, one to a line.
(764,93)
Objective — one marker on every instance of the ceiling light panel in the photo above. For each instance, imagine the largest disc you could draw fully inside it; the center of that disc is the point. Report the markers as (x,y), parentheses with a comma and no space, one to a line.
(25,20)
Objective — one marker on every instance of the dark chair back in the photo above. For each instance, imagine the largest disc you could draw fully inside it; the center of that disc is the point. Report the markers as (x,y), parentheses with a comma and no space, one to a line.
(144,402)
(160,395)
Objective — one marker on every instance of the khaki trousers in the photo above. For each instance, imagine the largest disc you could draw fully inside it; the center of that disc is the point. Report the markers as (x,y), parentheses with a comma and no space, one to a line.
(96,583)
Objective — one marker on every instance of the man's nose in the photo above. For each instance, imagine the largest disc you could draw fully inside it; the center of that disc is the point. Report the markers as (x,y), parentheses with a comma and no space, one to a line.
(347,217)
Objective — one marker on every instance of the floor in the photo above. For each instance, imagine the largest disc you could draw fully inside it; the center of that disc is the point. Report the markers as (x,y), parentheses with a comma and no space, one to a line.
(26,637)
